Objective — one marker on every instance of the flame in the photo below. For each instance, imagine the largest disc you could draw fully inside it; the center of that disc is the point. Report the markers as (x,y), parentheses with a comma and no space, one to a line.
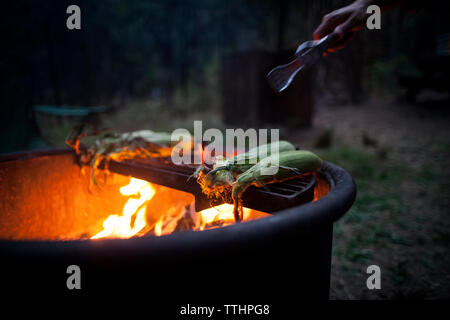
(121,226)
(218,216)
(223,215)
(133,218)
(322,187)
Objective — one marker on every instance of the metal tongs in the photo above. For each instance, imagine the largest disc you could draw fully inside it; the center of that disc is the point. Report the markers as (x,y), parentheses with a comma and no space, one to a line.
(307,54)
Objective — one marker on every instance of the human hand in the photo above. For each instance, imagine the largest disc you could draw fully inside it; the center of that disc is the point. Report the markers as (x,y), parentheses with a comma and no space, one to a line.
(341,24)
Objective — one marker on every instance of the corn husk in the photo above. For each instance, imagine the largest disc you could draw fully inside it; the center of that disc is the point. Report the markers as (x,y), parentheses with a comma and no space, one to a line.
(225,170)
(290,165)
(109,145)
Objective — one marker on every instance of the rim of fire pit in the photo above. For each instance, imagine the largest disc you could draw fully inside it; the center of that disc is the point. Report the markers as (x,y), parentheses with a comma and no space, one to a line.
(304,218)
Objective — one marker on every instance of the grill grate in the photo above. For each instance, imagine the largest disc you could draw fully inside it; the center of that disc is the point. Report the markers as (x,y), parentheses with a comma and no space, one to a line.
(272,198)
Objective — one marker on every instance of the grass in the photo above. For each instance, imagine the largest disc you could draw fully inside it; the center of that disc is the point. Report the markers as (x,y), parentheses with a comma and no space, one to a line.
(386,228)
(376,181)
(367,230)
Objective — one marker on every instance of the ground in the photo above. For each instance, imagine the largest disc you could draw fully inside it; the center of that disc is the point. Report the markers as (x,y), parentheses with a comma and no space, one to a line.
(398,155)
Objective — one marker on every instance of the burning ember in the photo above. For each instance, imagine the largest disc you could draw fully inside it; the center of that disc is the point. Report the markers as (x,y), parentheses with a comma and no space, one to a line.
(135,221)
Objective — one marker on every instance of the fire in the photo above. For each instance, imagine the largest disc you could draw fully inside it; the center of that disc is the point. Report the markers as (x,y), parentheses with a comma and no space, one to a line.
(222,215)
(322,187)
(122,226)
(218,216)
(133,221)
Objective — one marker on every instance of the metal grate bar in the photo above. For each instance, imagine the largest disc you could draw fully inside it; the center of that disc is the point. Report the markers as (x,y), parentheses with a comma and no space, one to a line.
(273,198)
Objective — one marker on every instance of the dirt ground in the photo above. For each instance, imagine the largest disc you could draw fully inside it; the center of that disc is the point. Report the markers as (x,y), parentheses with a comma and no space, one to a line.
(398,155)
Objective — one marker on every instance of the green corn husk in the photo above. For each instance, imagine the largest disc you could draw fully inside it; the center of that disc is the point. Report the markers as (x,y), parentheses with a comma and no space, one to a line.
(118,146)
(225,169)
(160,138)
(290,165)
(246,160)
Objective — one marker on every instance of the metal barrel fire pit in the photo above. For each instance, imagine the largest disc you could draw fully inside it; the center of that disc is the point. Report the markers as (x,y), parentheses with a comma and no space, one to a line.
(47,212)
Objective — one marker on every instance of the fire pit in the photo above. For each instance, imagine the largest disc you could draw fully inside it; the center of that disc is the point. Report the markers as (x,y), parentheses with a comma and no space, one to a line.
(49,215)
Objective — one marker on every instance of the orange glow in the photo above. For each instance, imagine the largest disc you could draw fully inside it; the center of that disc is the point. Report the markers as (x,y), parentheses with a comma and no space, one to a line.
(121,226)
(206,156)
(223,215)
(198,152)
(322,187)
(133,221)
(218,216)
(203,154)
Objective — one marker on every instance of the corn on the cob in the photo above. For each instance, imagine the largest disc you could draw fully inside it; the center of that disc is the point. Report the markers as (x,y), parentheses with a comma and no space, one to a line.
(118,146)
(225,169)
(244,161)
(290,165)
(163,139)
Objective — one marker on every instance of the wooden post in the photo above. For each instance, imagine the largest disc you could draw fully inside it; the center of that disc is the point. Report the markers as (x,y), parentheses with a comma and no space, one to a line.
(248,100)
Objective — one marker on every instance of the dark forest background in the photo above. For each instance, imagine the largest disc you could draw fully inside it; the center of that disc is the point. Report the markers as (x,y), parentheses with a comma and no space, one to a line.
(173,51)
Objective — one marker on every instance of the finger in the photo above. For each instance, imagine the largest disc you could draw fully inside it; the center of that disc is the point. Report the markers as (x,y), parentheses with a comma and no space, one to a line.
(341,43)
(329,23)
(333,37)
(341,34)
(347,27)
(322,30)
